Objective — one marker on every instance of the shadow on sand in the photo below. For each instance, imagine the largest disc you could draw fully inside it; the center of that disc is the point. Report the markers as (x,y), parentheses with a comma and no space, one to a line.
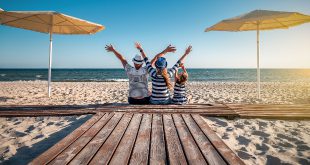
(25,154)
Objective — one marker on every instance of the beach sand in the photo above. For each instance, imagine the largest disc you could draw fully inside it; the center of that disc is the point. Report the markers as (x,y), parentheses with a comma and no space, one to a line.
(259,141)
(256,141)
(24,138)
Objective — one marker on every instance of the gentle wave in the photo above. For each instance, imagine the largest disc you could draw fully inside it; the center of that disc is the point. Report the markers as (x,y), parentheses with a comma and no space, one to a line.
(116,80)
(119,75)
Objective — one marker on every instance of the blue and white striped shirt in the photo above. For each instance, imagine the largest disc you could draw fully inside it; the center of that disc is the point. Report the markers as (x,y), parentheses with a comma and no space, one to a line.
(179,94)
(160,90)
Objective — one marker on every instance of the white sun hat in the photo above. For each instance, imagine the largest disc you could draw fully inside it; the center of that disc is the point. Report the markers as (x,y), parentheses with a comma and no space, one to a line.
(137,60)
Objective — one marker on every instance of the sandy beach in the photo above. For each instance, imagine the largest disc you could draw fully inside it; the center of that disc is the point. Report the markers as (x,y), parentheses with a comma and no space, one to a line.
(24,138)
(256,141)
(81,93)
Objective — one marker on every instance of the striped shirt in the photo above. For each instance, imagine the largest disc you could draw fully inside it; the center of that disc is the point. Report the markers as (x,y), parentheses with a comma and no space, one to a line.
(160,90)
(179,94)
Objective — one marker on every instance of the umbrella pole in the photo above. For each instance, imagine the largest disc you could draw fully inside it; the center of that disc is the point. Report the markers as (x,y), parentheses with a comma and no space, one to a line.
(258,68)
(50,65)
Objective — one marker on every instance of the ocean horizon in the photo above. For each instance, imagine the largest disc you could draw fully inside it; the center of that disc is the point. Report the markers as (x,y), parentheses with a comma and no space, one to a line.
(119,75)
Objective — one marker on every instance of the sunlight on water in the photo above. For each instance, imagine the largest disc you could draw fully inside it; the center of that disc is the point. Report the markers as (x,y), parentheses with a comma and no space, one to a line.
(239,75)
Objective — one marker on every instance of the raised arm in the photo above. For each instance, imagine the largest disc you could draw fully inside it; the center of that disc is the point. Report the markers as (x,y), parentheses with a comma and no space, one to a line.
(110,48)
(183,68)
(150,69)
(187,51)
(176,75)
(139,47)
(180,61)
(161,54)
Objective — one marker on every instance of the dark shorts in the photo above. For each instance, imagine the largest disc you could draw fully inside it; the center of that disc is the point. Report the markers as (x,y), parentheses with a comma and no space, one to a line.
(145,100)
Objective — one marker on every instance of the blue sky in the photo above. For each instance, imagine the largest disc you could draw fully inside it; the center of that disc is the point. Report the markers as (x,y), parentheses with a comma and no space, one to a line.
(156,23)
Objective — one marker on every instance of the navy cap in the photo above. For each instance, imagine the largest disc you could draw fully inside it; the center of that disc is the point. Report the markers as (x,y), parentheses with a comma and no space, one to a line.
(161,63)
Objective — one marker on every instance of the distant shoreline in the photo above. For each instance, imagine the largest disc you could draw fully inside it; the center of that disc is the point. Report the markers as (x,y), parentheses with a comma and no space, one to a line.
(123,68)
(201,75)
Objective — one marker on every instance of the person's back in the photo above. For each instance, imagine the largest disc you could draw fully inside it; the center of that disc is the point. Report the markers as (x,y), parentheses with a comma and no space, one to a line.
(138,81)
(161,76)
(179,92)
(160,86)
(137,75)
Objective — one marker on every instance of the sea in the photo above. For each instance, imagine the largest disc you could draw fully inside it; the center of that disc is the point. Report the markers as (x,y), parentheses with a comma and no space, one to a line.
(119,75)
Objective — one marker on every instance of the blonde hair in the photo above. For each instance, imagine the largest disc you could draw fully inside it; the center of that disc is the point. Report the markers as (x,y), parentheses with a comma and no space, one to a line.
(182,78)
(165,75)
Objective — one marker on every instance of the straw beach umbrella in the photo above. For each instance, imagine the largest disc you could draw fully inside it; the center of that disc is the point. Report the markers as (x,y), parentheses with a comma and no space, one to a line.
(260,20)
(48,22)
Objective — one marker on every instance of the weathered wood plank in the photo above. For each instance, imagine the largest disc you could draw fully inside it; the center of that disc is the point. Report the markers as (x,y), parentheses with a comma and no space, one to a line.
(229,156)
(31,113)
(180,111)
(152,106)
(52,152)
(191,149)
(70,152)
(140,153)
(85,156)
(137,107)
(106,151)
(124,149)
(174,147)
(274,113)
(157,153)
(280,117)
(209,152)
(270,105)
(270,111)
(106,106)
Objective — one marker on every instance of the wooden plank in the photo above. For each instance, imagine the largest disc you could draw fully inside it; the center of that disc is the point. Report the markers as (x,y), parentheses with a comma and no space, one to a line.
(209,152)
(158,106)
(268,112)
(52,152)
(140,153)
(267,105)
(169,111)
(228,155)
(85,156)
(44,107)
(180,107)
(192,152)
(273,110)
(124,149)
(82,141)
(31,113)
(157,152)
(151,106)
(174,147)
(280,117)
(106,151)
(95,106)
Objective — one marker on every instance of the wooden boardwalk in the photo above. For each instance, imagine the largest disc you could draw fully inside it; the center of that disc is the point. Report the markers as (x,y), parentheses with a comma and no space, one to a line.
(276,111)
(141,138)
(273,111)
(148,134)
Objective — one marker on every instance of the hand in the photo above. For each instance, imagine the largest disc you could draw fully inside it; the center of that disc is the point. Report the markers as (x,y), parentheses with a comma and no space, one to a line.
(170,49)
(181,65)
(138,46)
(188,50)
(109,48)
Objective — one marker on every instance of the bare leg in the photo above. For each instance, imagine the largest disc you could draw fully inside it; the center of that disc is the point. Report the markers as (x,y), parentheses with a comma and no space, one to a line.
(189,97)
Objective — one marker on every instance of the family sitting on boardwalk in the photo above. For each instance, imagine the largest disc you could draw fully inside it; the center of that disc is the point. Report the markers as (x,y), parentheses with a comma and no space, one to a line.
(157,69)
